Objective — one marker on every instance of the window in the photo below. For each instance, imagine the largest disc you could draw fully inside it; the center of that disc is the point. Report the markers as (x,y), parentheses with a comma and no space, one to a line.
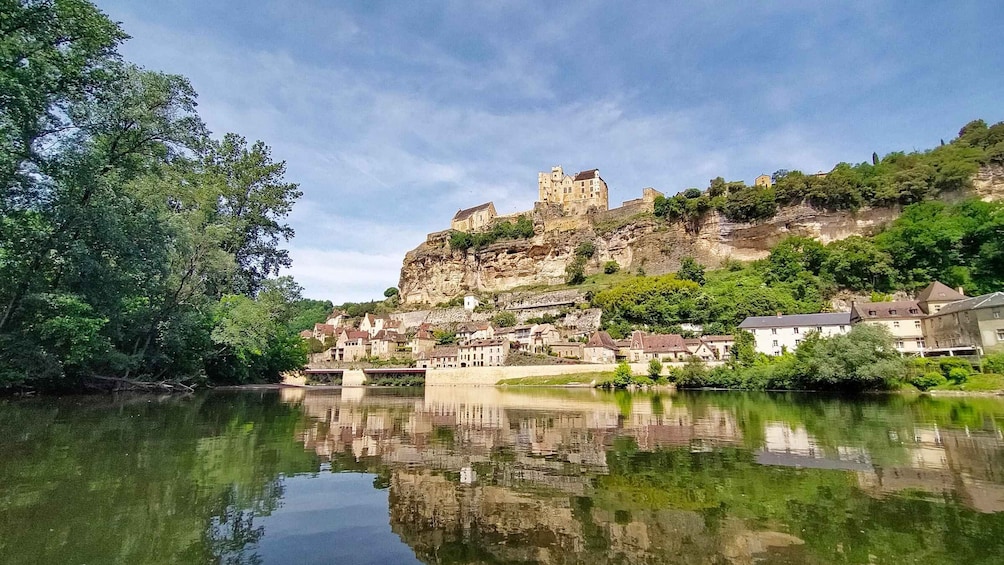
(997,312)
(913,310)
(775,343)
(920,343)
(916,324)
(872,312)
(819,329)
(892,312)
(899,344)
(1000,335)
(895,324)
(798,342)
(795,330)
(841,328)
(937,307)
(773,331)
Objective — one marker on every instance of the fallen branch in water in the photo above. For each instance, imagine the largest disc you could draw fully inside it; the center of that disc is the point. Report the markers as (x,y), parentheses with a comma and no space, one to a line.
(122,384)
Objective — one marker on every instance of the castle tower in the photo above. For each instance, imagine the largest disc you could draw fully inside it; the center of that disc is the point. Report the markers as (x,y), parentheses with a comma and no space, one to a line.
(576,195)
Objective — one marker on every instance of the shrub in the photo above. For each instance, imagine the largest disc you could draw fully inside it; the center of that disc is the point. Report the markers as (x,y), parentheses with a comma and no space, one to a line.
(958,375)
(929,380)
(611,267)
(586,250)
(948,364)
(994,363)
(575,272)
(504,319)
(622,375)
(655,369)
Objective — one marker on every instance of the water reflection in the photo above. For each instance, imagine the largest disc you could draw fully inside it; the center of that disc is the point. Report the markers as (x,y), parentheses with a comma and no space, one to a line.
(488,475)
(455,475)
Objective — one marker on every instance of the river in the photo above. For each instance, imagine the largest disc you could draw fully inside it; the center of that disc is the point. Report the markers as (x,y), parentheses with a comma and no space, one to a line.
(484,475)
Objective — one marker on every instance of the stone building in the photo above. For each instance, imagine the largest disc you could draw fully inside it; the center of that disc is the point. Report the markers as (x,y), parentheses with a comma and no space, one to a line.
(664,347)
(903,319)
(967,327)
(474,219)
(575,194)
(483,353)
(763,180)
(600,348)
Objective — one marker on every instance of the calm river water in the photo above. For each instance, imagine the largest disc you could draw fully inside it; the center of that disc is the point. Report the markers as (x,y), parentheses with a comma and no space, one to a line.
(454,475)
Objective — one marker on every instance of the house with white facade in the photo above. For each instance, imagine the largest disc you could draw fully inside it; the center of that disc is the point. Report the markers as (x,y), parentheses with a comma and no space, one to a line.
(777,334)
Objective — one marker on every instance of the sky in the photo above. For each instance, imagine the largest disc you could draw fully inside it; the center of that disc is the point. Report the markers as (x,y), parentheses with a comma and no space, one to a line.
(391,116)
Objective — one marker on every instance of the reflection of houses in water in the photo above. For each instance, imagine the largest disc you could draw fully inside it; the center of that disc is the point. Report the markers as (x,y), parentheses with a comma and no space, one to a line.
(959,462)
(794,447)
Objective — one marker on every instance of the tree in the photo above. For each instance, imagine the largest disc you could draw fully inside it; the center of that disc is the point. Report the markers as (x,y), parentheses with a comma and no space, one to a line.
(575,271)
(504,319)
(856,263)
(622,375)
(391,292)
(691,270)
(585,250)
(611,267)
(655,369)
(254,199)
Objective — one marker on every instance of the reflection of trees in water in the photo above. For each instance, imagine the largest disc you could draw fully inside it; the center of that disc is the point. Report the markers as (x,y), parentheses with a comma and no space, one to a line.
(133,481)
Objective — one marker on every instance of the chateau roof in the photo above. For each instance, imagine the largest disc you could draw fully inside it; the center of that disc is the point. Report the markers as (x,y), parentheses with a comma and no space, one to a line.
(793,320)
(602,339)
(586,175)
(464,214)
(883,310)
(939,292)
(658,343)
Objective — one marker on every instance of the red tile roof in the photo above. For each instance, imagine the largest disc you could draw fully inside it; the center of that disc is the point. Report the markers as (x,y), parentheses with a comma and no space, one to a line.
(602,339)
(586,175)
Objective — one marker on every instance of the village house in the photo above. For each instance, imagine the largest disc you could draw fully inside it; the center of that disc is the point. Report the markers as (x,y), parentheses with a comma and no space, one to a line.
(699,349)
(575,194)
(567,349)
(972,326)
(439,358)
(371,324)
(763,181)
(777,334)
(664,347)
(903,319)
(307,334)
(721,345)
(600,348)
(542,336)
(483,353)
(352,345)
(423,341)
(483,330)
(323,332)
(336,318)
(474,219)
(386,344)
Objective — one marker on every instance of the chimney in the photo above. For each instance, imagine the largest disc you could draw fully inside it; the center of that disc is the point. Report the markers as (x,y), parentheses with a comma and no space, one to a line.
(779,314)
(960,291)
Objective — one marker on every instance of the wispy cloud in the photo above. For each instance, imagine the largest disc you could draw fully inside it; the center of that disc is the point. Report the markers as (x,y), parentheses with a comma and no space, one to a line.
(392,116)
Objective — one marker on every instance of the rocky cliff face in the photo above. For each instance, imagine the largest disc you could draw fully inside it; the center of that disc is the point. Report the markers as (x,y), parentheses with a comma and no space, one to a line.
(433,273)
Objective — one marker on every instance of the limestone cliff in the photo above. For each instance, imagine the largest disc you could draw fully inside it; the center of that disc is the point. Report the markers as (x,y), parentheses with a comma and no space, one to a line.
(434,273)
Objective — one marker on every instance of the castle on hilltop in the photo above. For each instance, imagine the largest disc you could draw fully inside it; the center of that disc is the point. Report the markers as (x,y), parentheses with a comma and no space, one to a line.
(577,195)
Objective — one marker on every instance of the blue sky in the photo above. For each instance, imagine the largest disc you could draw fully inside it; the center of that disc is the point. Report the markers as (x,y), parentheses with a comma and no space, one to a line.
(393,115)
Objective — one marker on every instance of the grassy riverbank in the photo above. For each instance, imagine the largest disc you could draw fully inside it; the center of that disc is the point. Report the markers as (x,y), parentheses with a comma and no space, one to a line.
(576,379)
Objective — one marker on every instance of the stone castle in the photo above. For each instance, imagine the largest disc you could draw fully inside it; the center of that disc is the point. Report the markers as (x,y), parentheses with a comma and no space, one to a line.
(569,196)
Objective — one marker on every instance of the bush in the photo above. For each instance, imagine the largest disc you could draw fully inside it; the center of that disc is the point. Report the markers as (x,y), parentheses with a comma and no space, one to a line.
(655,369)
(586,250)
(504,319)
(958,375)
(575,272)
(611,267)
(994,363)
(929,380)
(948,364)
(622,375)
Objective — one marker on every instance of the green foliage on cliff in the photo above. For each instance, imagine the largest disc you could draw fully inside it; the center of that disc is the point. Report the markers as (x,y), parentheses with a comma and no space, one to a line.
(897,178)
(132,244)
(522,228)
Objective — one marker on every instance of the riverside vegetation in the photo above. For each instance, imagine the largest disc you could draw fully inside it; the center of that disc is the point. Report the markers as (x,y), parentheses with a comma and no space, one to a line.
(133,244)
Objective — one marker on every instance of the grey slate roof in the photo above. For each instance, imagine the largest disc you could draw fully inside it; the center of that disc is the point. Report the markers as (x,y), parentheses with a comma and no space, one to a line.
(992,300)
(800,320)
(938,292)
